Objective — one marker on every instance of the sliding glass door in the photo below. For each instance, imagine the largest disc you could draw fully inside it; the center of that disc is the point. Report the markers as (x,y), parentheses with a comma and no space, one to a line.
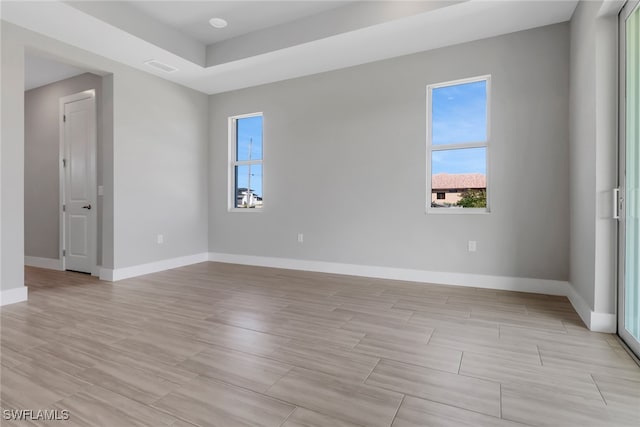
(629,253)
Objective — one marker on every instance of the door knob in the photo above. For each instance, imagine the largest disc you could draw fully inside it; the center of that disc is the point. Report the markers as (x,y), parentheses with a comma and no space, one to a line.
(87,207)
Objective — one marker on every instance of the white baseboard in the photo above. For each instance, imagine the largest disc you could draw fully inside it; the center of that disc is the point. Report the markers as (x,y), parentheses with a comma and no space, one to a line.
(106,274)
(521,284)
(113,275)
(603,322)
(49,263)
(595,321)
(12,296)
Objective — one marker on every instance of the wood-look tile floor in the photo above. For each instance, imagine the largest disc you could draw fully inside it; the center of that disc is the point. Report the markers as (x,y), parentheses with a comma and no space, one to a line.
(223,345)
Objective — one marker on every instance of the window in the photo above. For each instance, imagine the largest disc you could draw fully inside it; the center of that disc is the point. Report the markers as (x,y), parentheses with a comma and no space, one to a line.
(457,144)
(245,166)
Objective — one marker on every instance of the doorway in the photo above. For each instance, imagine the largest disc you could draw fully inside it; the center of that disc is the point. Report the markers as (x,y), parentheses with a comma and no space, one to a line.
(78,182)
(629,196)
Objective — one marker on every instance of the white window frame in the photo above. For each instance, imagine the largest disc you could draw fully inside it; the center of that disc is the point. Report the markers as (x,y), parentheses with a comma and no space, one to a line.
(232,128)
(446,147)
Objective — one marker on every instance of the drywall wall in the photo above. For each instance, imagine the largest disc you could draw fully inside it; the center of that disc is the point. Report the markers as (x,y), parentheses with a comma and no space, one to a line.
(154,159)
(345,164)
(593,95)
(582,197)
(174,150)
(12,157)
(160,169)
(106,153)
(41,163)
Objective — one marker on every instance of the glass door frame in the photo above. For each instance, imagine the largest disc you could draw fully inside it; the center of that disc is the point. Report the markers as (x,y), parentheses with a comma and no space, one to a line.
(626,11)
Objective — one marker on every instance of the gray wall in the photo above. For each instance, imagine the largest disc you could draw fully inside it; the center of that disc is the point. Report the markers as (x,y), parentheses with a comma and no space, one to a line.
(353,143)
(160,169)
(41,163)
(163,173)
(593,155)
(155,148)
(11,168)
(107,172)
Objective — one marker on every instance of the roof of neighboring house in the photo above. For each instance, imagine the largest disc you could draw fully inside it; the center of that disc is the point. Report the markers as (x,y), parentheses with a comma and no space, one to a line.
(451,181)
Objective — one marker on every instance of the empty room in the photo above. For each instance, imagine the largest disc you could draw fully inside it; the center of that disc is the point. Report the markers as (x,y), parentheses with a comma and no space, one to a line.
(320,213)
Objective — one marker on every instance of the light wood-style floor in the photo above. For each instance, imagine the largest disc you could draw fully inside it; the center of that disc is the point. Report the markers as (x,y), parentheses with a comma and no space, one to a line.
(223,345)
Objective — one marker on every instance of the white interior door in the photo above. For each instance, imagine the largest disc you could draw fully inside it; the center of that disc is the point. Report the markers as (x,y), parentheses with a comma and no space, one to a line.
(79,189)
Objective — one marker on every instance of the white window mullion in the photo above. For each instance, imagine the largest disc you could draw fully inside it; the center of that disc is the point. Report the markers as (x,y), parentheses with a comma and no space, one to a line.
(246,162)
(444,147)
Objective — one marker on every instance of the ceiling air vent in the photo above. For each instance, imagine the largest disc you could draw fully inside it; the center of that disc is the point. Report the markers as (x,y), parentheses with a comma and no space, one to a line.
(161,66)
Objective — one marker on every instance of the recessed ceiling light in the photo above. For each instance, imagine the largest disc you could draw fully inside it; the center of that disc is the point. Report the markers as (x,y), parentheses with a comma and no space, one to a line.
(217,22)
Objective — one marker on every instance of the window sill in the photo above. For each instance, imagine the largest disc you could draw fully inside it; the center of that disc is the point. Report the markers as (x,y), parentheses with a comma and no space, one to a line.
(457,211)
(246,210)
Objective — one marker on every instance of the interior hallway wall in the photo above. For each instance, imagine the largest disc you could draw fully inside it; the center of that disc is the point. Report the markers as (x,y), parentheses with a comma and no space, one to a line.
(154,158)
(41,163)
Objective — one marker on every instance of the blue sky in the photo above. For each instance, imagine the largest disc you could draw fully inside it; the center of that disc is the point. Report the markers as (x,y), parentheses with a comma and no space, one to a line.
(459,115)
(250,129)
(468,160)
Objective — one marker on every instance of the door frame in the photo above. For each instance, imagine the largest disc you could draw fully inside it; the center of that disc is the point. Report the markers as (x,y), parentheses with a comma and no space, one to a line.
(93,179)
(625,12)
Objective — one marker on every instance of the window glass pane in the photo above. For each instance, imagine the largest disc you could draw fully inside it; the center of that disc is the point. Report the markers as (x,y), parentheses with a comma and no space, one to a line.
(459,113)
(461,175)
(248,186)
(249,138)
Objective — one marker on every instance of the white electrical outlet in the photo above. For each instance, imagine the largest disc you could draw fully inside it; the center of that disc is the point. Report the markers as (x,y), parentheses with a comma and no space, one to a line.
(300,237)
(472,246)
(160,239)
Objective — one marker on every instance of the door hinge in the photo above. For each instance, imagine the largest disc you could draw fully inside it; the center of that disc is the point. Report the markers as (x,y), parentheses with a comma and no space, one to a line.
(64,208)
(64,163)
(64,252)
(64,118)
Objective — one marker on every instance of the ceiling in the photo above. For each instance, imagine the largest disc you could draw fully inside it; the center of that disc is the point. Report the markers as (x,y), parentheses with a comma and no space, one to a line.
(40,71)
(268,41)
(243,16)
